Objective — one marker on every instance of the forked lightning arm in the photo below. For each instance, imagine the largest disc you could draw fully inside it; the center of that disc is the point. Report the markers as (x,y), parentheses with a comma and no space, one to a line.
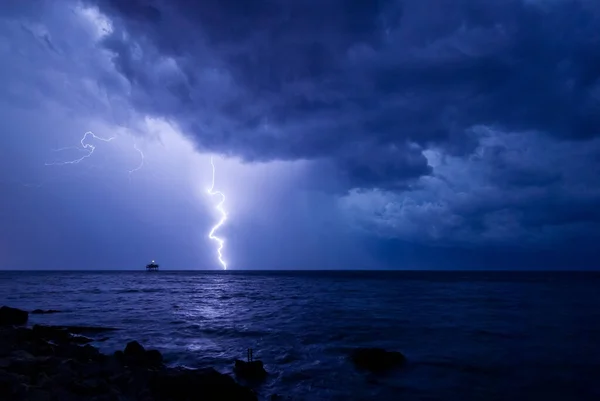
(88,147)
(141,161)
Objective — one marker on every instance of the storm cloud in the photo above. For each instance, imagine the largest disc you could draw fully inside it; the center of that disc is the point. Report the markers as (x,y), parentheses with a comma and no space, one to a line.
(446,123)
(302,80)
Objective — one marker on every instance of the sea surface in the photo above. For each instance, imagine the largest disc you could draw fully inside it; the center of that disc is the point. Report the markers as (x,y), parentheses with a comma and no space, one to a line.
(467,335)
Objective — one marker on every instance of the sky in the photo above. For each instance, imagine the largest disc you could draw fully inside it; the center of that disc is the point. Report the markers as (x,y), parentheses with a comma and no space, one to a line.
(345,134)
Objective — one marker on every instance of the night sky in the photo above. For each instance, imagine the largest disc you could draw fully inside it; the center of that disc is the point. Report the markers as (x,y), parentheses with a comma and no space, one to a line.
(346,134)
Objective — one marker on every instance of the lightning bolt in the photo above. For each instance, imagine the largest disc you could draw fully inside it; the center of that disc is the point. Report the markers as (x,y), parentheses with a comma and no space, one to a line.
(87,147)
(211,234)
(141,161)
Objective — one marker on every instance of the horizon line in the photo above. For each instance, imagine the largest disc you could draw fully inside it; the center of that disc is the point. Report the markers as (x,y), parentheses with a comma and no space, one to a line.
(590,269)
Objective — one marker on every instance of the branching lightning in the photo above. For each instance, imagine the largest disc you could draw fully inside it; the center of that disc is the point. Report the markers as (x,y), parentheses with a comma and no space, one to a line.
(141,161)
(219,207)
(87,147)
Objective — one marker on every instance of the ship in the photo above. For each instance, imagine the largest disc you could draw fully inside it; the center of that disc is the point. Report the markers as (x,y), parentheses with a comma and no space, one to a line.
(152,267)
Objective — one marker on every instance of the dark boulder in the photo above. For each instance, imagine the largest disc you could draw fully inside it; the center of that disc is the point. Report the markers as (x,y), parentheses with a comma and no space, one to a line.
(52,333)
(154,358)
(11,386)
(80,339)
(134,349)
(43,312)
(253,370)
(203,384)
(89,353)
(377,359)
(89,387)
(33,367)
(136,355)
(119,356)
(13,316)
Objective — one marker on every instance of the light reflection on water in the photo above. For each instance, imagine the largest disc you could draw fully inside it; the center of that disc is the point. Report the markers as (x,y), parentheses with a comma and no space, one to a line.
(467,336)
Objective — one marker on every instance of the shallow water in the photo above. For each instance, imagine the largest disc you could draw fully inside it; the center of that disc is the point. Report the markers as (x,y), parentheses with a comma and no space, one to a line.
(467,335)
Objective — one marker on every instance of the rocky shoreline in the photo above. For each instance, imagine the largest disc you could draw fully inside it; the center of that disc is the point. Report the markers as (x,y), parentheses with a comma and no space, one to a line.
(48,363)
(57,363)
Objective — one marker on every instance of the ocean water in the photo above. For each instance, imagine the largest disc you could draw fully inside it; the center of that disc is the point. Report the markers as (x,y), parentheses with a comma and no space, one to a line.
(467,335)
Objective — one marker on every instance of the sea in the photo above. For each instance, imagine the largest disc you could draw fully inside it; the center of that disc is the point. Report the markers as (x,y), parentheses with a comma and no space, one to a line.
(478,335)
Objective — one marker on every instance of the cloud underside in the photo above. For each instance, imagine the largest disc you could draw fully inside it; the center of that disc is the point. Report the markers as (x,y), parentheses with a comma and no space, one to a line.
(438,121)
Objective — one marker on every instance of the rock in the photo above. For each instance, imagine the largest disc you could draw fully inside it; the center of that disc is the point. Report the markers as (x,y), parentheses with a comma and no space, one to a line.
(253,370)
(44,312)
(52,333)
(377,359)
(23,334)
(13,316)
(80,339)
(134,349)
(89,387)
(59,334)
(89,353)
(40,347)
(25,364)
(154,358)
(136,355)
(204,384)
(10,386)
(45,363)
(119,356)
(36,394)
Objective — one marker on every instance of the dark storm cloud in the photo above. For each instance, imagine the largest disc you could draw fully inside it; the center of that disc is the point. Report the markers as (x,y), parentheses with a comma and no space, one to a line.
(292,80)
(523,190)
(434,121)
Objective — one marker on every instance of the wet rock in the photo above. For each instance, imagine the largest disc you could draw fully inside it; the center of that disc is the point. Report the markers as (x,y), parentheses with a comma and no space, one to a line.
(11,386)
(89,353)
(52,333)
(59,334)
(119,356)
(136,355)
(30,366)
(202,384)
(20,355)
(80,339)
(36,394)
(44,312)
(377,359)
(154,358)
(46,363)
(40,347)
(22,334)
(253,370)
(89,387)
(13,316)
(134,349)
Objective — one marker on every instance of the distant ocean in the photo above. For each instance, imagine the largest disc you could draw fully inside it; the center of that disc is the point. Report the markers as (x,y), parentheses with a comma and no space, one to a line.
(467,335)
